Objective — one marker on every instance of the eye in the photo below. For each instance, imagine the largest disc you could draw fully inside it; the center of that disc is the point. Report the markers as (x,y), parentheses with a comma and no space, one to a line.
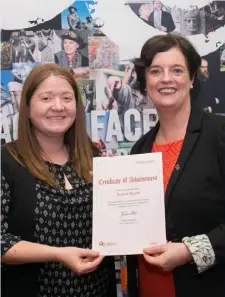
(154,72)
(46,98)
(178,71)
(67,98)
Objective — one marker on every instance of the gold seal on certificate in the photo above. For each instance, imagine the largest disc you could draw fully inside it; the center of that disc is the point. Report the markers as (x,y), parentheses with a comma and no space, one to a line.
(128,204)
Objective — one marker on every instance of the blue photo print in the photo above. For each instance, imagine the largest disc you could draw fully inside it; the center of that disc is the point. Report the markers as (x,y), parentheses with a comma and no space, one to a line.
(76,15)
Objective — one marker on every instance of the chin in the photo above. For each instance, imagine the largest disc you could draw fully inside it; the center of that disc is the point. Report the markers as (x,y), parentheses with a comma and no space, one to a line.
(168,104)
(56,132)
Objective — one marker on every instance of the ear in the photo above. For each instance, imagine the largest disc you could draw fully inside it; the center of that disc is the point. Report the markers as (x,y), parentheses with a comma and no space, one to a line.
(192,81)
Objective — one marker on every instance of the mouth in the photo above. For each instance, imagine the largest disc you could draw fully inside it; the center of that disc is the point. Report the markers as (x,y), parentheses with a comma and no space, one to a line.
(167,91)
(55,118)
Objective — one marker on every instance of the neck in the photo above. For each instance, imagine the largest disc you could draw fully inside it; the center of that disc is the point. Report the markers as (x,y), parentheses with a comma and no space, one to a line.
(173,124)
(144,17)
(71,56)
(53,148)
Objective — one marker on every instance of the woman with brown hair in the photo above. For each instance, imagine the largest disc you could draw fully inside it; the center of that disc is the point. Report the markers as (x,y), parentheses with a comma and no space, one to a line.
(47,195)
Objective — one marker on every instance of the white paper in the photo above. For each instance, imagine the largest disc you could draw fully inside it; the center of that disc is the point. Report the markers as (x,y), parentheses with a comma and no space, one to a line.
(128,204)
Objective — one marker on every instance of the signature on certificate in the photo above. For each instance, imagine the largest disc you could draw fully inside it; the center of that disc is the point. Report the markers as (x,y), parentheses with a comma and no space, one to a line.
(128,215)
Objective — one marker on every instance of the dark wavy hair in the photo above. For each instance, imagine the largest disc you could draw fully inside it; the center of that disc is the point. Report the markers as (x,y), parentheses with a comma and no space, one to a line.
(72,7)
(163,43)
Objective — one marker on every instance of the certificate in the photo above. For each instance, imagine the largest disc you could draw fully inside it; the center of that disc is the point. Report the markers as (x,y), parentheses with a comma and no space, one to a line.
(128,204)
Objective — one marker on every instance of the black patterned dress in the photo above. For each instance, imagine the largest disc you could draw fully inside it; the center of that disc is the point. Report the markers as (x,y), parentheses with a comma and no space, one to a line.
(62,218)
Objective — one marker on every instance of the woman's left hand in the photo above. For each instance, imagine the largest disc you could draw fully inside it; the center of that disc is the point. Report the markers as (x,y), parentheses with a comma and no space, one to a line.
(109,154)
(168,256)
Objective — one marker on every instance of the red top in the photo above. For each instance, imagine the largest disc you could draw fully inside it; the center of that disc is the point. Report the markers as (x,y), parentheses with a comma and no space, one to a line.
(153,282)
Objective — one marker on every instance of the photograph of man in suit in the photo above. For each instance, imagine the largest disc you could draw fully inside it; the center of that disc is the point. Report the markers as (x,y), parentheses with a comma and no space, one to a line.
(70,57)
(161,19)
(208,94)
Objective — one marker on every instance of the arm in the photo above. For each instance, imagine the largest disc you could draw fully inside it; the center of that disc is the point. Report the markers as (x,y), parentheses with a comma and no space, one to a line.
(28,252)
(209,249)
(69,22)
(170,26)
(110,98)
(7,240)
(16,251)
(205,250)
(13,249)
(30,44)
(41,44)
(56,59)
(120,92)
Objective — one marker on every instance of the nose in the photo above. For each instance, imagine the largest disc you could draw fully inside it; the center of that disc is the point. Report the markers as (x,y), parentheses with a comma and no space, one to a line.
(57,105)
(166,76)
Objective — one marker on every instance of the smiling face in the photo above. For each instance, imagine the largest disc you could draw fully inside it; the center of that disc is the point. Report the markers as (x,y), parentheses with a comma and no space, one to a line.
(168,81)
(70,46)
(144,11)
(52,108)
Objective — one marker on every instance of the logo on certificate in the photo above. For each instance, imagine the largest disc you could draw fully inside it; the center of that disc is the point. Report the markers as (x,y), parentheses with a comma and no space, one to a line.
(102,243)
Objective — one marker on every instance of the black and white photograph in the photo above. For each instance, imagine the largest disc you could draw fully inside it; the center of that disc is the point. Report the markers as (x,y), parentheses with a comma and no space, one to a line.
(74,52)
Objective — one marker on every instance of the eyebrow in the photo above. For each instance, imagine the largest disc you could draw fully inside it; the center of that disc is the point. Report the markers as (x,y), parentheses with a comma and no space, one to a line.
(68,92)
(160,66)
(63,93)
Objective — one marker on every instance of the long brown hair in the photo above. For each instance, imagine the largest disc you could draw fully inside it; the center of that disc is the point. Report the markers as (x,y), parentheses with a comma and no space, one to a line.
(26,149)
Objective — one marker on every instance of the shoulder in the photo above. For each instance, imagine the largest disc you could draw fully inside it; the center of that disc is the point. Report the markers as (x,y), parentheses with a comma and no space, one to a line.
(213,129)
(167,15)
(216,122)
(146,138)
(13,169)
(6,157)
(59,54)
(84,60)
(9,163)
(218,119)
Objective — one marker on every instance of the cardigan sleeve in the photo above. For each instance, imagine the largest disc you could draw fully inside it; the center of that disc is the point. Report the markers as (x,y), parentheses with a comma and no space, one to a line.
(201,250)
(7,240)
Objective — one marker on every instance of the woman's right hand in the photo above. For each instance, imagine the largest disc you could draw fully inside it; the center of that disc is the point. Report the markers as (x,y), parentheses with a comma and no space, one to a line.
(80,261)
